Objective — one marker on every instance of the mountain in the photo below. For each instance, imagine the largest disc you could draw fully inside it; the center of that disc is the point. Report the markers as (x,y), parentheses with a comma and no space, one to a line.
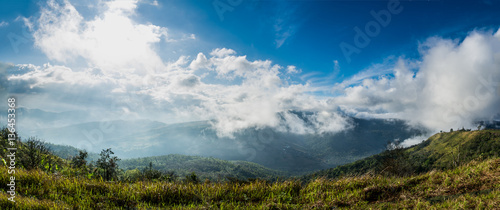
(442,151)
(181,165)
(67,152)
(33,119)
(205,167)
(95,136)
(266,146)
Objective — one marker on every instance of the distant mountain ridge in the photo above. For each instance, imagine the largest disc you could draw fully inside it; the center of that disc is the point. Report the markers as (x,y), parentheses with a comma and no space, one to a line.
(209,168)
(266,146)
(204,167)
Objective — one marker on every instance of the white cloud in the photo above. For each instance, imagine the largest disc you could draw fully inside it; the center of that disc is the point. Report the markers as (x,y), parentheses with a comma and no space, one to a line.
(200,62)
(374,71)
(414,140)
(222,52)
(285,25)
(292,70)
(122,6)
(111,41)
(454,85)
(325,122)
(3,23)
(258,99)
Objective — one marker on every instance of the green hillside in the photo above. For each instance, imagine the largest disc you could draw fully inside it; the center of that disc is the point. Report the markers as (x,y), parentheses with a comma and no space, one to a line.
(204,167)
(474,185)
(464,174)
(441,151)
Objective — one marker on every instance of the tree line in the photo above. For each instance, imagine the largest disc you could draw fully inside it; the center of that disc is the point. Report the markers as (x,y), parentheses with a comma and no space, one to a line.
(34,154)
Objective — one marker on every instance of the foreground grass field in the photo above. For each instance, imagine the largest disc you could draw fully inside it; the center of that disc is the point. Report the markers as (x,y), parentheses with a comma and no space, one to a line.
(474,185)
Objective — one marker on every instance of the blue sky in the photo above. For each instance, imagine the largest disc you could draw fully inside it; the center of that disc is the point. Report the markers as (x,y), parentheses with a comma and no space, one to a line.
(287,55)
(316,28)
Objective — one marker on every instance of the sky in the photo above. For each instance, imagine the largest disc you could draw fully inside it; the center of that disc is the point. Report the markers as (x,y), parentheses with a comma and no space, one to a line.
(256,63)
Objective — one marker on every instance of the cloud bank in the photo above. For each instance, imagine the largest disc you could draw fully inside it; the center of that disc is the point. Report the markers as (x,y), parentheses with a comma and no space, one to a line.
(111,41)
(452,84)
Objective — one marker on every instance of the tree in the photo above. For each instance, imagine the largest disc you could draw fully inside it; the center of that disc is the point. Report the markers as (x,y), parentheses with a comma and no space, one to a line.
(169,176)
(107,165)
(79,160)
(150,173)
(192,178)
(35,155)
(395,161)
(5,143)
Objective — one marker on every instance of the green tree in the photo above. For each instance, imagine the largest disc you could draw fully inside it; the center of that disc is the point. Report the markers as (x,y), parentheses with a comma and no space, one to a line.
(395,161)
(150,173)
(192,178)
(169,176)
(4,141)
(107,165)
(35,155)
(80,161)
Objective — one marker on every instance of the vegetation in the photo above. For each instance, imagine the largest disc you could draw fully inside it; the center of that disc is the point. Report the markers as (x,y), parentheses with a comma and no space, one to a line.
(68,152)
(441,151)
(31,154)
(209,168)
(284,151)
(474,185)
(460,170)
(80,161)
(107,165)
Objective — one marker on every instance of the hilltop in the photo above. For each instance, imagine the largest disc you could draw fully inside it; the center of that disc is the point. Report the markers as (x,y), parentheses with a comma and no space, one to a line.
(441,151)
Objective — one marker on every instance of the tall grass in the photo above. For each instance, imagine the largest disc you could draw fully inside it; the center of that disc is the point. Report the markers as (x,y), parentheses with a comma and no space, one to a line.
(475,185)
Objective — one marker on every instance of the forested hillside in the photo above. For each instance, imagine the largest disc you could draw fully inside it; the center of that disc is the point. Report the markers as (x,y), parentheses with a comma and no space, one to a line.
(442,151)
(205,168)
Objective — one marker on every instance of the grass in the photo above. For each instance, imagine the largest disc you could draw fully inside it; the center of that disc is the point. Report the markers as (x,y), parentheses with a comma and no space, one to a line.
(474,185)
(442,151)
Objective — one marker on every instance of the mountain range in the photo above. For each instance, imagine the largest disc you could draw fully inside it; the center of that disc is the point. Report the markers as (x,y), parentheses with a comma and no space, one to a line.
(266,146)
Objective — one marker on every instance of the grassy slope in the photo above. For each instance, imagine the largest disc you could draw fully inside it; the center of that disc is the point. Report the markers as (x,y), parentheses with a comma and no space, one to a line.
(444,150)
(441,151)
(474,185)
